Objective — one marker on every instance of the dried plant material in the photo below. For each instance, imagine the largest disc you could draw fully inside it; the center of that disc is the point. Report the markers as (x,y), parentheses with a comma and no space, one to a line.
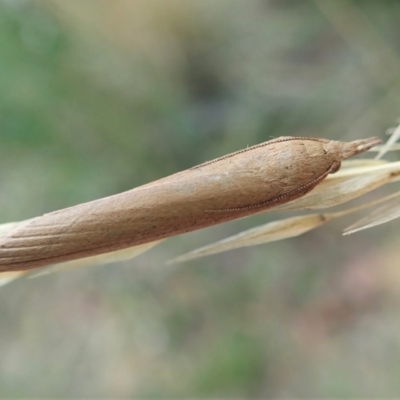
(393,147)
(385,213)
(390,144)
(234,186)
(107,258)
(362,162)
(344,186)
(9,276)
(391,167)
(270,232)
(273,231)
(100,259)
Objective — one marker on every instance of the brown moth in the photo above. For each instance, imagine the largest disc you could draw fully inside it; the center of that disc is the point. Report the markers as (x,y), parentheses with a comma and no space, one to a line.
(234,186)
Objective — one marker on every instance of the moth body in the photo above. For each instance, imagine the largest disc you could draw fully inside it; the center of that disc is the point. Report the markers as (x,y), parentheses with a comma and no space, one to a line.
(234,186)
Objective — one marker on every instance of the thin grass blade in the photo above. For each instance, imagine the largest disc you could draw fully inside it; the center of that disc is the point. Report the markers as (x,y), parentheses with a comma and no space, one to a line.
(385,213)
(344,186)
(100,259)
(270,232)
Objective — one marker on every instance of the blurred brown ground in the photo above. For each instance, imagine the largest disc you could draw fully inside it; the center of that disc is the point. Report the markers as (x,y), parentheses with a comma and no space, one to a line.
(99,96)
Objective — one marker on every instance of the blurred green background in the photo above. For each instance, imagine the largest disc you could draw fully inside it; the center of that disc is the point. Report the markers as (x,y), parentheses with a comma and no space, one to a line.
(100,96)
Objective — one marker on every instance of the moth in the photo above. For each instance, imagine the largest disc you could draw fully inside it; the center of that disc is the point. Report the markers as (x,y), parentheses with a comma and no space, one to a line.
(236,185)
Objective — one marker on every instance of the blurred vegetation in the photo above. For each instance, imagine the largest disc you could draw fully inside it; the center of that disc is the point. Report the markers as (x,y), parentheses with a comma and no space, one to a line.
(99,96)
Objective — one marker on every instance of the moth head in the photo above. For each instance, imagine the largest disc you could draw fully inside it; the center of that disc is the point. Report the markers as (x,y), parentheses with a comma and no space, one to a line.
(345,150)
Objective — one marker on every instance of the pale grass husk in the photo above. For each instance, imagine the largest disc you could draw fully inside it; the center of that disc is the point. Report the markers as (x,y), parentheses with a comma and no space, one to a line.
(276,230)
(387,212)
